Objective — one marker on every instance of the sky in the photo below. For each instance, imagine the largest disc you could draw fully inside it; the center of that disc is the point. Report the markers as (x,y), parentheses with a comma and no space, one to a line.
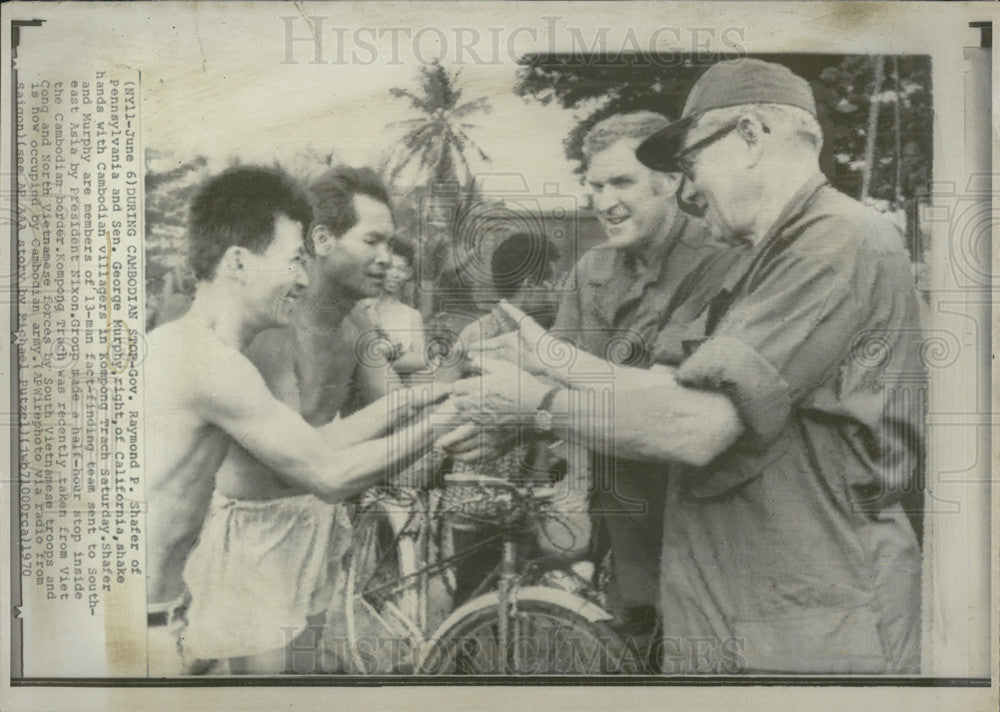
(217,80)
(218,83)
(342,109)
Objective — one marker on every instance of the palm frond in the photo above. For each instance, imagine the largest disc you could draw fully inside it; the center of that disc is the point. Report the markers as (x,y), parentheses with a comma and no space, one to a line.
(416,101)
(482,104)
(437,141)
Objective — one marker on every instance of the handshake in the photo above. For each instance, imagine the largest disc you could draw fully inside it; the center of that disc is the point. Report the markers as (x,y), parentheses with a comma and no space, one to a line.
(510,377)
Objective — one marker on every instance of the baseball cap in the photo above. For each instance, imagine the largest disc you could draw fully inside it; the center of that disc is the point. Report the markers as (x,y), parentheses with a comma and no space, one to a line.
(731,83)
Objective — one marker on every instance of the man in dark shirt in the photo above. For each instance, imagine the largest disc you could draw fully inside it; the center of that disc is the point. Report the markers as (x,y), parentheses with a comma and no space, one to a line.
(793,542)
(656,258)
(793,418)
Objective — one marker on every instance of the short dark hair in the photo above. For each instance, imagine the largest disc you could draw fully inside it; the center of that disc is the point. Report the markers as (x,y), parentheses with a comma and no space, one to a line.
(520,258)
(239,207)
(332,195)
(402,247)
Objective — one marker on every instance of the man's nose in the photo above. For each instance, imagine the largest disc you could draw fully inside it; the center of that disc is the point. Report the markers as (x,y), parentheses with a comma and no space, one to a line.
(301,277)
(605,200)
(382,255)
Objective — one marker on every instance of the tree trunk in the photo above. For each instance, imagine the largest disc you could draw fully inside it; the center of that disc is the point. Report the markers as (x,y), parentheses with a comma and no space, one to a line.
(873,107)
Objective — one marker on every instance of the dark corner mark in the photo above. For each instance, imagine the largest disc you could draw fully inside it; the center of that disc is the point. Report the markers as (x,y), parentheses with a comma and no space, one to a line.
(15,33)
(985,33)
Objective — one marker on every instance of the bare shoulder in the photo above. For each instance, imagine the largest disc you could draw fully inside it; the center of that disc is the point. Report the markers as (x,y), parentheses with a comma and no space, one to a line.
(414,313)
(358,320)
(188,364)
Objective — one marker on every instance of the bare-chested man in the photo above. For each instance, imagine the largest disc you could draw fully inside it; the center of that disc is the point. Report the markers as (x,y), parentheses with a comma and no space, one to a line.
(203,394)
(266,566)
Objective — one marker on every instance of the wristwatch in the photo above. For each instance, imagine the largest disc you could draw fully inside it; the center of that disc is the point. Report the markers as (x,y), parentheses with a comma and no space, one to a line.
(543,415)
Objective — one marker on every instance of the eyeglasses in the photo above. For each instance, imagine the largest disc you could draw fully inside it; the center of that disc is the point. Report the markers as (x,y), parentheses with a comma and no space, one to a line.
(687,157)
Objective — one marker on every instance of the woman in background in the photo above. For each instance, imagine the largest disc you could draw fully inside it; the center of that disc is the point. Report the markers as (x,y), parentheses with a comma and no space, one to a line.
(399,325)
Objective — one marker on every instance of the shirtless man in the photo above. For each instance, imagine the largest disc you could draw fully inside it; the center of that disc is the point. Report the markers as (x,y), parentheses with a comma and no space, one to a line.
(203,394)
(270,551)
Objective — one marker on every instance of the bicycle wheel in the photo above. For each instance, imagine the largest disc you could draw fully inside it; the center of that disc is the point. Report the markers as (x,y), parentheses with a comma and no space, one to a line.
(550,632)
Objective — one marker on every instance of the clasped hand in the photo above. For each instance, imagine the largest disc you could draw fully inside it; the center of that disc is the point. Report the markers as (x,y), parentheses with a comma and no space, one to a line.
(504,397)
(529,347)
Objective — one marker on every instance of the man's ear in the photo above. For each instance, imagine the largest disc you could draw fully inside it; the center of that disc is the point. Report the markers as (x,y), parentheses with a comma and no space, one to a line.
(322,239)
(233,263)
(752,131)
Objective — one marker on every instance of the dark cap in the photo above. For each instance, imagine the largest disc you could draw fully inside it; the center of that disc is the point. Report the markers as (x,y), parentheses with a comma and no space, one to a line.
(732,83)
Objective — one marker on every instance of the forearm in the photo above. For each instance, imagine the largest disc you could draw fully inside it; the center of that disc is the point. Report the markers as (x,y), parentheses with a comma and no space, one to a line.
(646,415)
(375,420)
(359,467)
(366,424)
(562,360)
(559,360)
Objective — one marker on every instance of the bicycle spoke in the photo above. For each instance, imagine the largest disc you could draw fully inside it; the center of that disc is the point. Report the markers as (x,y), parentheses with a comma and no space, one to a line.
(400,563)
(545,639)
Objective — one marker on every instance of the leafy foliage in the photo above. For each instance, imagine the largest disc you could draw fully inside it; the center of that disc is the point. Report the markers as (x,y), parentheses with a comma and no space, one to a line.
(170,187)
(843,86)
(436,148)
(438,141)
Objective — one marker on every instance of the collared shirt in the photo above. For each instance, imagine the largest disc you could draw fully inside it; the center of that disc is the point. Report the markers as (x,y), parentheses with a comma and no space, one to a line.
(792,548)
(620,305)
(617,311)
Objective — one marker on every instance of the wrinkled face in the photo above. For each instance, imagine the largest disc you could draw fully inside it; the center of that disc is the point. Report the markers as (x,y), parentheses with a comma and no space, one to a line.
(633,202)
(715,180)
(398,274)
(276,278)
(358,260)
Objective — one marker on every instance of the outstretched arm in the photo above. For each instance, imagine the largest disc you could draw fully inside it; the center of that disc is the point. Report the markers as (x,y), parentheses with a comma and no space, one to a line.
(533,349)
(644,413)
(400,405)
(233,396)
(652,417)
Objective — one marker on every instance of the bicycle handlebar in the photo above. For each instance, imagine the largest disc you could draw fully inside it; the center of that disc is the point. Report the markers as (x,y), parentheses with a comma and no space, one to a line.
(533,492)
(483,480)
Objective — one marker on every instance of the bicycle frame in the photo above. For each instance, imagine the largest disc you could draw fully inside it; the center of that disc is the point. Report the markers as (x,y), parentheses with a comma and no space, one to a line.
(412,530)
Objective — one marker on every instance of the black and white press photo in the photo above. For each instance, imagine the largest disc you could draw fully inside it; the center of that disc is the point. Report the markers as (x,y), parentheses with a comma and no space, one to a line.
(400,350)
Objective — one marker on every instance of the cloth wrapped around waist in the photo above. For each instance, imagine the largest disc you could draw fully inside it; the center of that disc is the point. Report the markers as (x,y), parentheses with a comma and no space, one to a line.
(259,570)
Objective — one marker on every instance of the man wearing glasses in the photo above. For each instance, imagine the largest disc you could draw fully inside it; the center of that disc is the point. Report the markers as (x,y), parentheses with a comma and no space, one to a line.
(785,546)
(627,289)
(793,540)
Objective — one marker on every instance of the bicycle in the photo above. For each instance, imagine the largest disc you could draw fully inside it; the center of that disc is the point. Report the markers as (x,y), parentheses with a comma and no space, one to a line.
(387,590)
(529,616)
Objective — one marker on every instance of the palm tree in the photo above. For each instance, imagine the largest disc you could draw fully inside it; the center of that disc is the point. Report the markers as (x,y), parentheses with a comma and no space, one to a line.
(438,141)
